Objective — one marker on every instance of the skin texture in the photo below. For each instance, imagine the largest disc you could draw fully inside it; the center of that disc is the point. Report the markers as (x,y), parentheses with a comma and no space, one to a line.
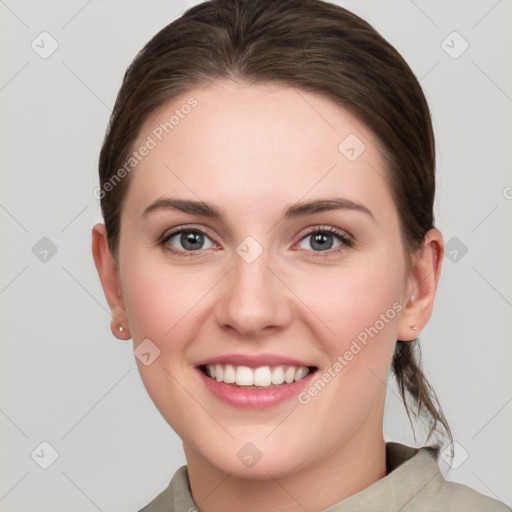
(251,151)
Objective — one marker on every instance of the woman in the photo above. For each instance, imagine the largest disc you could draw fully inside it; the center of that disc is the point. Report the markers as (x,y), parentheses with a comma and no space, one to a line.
(267,184)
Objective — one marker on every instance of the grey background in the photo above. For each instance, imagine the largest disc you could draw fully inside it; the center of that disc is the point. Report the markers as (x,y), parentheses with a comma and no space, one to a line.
(66,380)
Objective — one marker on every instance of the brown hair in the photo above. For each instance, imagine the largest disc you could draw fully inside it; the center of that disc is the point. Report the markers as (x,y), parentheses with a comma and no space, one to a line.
(314,46)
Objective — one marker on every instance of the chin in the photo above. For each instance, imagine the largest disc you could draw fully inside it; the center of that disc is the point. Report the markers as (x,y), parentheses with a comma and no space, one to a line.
(258,459)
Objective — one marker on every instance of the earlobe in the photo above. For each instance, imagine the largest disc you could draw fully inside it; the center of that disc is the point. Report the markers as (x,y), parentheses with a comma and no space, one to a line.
(108,274)
(120,331)
(421,286)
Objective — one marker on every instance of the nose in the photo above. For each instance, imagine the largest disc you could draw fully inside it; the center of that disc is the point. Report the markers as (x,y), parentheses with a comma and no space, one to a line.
(253,301)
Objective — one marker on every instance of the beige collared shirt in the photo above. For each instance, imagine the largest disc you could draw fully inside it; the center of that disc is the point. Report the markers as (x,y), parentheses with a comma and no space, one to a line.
(414,483)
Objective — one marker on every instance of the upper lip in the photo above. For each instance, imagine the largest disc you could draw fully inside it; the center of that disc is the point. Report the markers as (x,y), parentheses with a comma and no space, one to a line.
(254,361)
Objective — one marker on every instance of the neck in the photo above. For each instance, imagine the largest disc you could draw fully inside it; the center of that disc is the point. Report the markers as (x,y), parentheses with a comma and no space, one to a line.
(353,467)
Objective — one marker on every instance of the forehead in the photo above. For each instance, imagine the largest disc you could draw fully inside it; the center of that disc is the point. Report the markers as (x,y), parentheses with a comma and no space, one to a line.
(241,143)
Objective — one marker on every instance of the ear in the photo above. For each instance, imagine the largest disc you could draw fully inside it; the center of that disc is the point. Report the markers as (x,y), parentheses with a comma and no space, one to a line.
(109,277)
(421,286)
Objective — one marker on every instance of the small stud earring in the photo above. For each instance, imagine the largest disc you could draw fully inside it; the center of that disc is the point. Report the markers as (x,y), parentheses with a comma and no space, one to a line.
(120,328)
(413,327)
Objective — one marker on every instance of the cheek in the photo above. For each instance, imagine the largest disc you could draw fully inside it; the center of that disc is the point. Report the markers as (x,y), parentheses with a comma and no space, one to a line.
(163,305)
(356,308)
(360,306)
(161,300)
(352,299)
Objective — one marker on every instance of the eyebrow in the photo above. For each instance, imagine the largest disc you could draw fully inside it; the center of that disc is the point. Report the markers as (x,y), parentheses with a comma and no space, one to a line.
(322,205)
(290,212)
(185,206)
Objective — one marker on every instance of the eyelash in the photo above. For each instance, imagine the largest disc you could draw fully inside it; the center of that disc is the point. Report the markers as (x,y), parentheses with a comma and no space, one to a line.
(346,241)
(184,229)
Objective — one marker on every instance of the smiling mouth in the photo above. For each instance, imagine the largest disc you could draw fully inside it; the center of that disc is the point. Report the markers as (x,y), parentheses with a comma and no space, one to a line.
(262,377)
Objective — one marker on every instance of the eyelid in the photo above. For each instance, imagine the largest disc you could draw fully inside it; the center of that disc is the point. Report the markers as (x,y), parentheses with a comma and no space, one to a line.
(186,227)
(162,241)
(343,235)
(345,238)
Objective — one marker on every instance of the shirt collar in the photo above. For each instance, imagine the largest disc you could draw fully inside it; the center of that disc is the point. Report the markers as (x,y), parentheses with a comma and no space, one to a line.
(412,476)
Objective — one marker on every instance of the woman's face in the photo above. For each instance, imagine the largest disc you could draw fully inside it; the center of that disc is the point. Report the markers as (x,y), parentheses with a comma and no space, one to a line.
(260,232)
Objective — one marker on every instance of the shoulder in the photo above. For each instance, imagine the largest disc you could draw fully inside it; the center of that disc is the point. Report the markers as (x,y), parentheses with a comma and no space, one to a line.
(175,498)
(416,484)
(454,496)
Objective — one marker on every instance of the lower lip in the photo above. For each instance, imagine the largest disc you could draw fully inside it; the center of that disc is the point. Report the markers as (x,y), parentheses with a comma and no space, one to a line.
(254,398)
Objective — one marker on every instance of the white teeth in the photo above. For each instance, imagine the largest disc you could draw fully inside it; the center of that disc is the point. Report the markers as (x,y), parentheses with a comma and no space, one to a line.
(263,376)
(229,374)
(244,376)
(219,373)
(278,375)
(301,373)
(289,375)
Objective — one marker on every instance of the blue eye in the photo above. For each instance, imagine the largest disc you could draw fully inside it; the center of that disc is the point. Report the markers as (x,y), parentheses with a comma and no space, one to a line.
(322,240)
(187,240)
